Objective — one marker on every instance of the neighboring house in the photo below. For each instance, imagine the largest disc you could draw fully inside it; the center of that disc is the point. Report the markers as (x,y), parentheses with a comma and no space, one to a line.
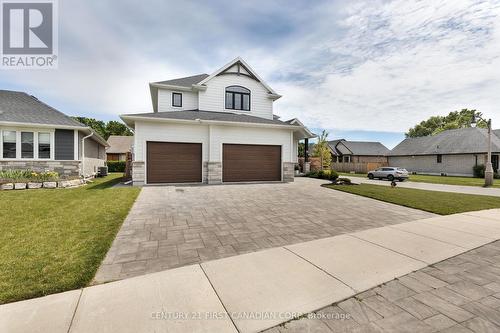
(119,146)
(36,136)
(212,129)
(452,152)
(357,156)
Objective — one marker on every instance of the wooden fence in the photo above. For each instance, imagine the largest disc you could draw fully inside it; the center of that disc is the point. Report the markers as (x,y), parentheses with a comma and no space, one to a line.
(358,167)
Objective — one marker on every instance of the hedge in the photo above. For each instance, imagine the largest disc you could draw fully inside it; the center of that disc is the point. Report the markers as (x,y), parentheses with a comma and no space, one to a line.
(116,166)
(324,174)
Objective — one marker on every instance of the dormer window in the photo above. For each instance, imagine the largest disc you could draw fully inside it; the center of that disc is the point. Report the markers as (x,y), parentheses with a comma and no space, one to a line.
(237,98)
(177,99)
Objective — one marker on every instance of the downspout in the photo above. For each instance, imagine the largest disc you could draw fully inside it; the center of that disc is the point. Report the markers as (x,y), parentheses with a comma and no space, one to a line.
(83,151)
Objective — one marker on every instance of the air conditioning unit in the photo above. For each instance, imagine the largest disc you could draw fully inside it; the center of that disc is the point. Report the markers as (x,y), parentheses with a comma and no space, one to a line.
(102,171)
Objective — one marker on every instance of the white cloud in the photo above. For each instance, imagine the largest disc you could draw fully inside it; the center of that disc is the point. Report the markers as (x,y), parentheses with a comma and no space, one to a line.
(406,61)
(367,65)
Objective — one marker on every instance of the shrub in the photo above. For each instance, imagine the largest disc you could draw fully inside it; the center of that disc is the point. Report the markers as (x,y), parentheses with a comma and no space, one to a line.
(324,174)
(116,166)
(478,170)
(7,176)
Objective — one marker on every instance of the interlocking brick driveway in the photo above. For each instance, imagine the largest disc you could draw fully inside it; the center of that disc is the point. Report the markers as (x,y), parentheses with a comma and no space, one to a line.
(460,294)
(172,226)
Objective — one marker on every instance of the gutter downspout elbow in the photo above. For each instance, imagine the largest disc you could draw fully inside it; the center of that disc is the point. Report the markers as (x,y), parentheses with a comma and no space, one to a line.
(83,152)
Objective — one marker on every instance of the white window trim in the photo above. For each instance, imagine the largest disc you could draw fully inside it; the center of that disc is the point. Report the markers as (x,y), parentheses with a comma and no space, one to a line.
(35,144)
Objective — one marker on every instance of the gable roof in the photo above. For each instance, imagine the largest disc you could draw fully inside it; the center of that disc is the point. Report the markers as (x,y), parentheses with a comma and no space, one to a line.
(240,61)
(187,81)
(457,141)
(20,108)
(119,144)
(360,148)
(197,82)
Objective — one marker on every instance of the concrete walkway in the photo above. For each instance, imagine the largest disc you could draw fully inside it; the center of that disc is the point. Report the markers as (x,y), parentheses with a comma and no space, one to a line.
(492,191)
(256,291)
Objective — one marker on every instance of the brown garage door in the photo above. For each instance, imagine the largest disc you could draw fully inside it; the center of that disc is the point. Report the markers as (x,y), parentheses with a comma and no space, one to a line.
(173,162)
(245,163)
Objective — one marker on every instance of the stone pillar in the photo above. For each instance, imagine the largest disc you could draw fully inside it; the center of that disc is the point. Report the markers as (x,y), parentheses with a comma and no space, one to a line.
(288,171)
(138,173)
(214,172)
(307,167)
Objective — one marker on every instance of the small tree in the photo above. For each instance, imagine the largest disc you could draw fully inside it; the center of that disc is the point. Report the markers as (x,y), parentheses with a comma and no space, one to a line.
(322,150)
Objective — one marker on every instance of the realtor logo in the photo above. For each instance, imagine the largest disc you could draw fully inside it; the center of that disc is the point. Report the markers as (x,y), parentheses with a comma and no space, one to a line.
(29,34)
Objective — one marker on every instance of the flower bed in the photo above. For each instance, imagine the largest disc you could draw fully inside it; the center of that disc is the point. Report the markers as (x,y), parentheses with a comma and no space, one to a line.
(29,179)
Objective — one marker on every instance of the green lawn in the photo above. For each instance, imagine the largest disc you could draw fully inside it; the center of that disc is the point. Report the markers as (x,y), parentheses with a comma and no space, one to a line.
(54,240)
(443,203)
(449,180)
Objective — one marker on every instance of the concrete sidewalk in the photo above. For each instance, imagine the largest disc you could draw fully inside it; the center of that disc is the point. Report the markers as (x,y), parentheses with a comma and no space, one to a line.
(491,191)
(255,291)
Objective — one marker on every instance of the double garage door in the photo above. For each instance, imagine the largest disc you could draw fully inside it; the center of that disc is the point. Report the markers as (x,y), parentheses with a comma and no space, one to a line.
(173,162)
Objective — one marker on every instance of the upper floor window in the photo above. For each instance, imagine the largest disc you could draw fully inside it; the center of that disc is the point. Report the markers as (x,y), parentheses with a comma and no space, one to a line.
(439,158)
(237,98)
(177,99)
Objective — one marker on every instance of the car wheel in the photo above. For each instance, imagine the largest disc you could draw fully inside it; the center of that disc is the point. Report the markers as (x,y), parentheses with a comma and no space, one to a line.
(390,177)
(370,175)
(401,179)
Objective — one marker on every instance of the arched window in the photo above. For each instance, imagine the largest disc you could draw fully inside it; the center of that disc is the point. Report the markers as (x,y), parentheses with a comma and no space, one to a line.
(237,98)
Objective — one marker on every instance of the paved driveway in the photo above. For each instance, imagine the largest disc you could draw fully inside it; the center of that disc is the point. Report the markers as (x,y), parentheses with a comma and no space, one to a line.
(171,226)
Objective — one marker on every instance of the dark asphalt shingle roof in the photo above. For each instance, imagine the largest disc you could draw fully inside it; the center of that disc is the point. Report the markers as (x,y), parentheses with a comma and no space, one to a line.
(210,115)
(19,107)
(187,81)
(458,141)
(361,148)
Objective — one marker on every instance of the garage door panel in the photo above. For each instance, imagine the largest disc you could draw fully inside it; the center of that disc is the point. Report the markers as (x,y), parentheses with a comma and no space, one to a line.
(174,162)
(251,163)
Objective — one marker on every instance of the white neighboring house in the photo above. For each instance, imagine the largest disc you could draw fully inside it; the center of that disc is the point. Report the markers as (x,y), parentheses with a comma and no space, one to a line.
(216,128)
(37,137)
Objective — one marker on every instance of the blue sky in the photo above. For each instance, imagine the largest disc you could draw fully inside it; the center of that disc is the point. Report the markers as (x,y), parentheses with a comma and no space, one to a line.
(363,70)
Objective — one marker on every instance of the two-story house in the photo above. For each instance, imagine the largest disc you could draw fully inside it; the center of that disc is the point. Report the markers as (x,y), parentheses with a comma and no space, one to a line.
(216,128)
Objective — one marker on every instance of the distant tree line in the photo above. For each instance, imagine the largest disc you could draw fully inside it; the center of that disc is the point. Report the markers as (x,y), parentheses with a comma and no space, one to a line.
(437,124)
(105,129)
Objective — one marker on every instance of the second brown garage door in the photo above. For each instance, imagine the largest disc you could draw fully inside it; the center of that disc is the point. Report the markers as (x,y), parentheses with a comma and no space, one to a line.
(173,162)
(246,163)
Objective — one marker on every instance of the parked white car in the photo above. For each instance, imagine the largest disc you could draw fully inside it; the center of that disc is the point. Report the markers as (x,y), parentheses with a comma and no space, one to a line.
(389,173)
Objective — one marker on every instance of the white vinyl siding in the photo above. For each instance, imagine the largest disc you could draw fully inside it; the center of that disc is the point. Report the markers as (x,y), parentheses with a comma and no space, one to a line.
(189,100)
(211,136)
(164,132)
(248,135)
(213,98)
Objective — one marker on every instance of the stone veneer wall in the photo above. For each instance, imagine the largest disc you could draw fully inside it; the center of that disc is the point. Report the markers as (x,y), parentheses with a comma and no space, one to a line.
(63,168)
(288,171)
(138,172)
(214,172)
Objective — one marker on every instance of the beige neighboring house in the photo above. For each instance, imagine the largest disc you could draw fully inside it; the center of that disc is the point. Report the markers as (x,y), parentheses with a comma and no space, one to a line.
(119,146)
(452,152)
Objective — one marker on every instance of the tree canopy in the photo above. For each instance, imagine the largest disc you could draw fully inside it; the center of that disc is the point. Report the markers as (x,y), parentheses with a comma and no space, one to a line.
(454,120)
(105,129)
